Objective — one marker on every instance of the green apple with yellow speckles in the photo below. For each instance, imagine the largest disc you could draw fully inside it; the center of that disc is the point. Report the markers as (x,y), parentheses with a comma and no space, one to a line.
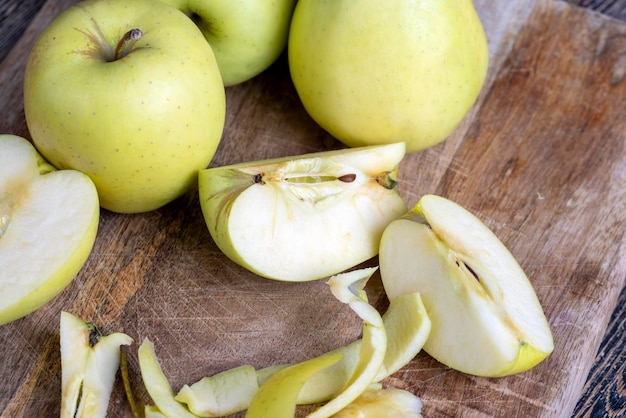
(128,93)
(379,72)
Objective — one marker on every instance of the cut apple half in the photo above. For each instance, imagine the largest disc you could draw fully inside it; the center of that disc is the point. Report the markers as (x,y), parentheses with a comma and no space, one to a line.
(486,317)
(305,217)
(48,225)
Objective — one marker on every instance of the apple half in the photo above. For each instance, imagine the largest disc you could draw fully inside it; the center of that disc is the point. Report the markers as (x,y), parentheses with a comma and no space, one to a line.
(48,225)
(305,217)
(486,318)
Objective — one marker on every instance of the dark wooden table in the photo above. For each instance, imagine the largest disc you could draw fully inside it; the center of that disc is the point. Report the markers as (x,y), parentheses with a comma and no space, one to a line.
(604,394)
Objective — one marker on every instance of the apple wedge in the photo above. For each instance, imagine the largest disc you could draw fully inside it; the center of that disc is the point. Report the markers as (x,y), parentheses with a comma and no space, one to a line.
(48,225)
(89,364)
(305,217)
(486,318)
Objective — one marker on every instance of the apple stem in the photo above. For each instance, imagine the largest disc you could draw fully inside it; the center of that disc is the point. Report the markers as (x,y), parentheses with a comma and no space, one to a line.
(127,42)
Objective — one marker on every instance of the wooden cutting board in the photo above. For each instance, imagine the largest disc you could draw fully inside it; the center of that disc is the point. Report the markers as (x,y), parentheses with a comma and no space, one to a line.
(541,159)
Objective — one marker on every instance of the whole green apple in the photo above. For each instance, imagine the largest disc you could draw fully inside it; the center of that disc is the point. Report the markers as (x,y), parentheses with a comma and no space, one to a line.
(247,36)
(128,93)
(373,72)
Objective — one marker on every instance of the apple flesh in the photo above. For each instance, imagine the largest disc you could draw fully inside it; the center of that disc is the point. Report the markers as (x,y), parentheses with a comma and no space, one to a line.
(306,217)
(371,74)
(486,318)
(130,94)
(246,36)
(48,225)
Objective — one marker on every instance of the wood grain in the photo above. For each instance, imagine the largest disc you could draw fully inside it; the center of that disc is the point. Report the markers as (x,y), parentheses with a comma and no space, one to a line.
(540,159)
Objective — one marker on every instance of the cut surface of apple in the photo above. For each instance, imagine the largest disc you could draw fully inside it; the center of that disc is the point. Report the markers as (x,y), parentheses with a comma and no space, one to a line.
(486,317)
(89,364)
(304,217)
(48,225)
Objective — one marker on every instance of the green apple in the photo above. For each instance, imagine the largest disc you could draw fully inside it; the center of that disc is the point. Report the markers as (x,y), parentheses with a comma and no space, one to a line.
(48,225)
(247,36)
(372,73)
(486,317)
(305,217)
(128,93)
(89,364)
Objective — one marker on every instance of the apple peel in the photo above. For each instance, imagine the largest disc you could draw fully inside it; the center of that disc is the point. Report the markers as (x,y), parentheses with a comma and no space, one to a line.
(157,385)
(277,397)
(222,394)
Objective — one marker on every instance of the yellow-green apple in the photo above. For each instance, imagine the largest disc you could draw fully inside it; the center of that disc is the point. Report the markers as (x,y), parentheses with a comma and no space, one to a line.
(48,225)
(128,93)
(89,363)
(486,317)
(247,36)
(372,72)
(304,217)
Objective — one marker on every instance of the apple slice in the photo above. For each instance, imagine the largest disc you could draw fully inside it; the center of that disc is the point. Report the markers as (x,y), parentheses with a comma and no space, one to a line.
(222,394)
(377,403)
(306,217)
(48,225)
(89,364)
(486,317)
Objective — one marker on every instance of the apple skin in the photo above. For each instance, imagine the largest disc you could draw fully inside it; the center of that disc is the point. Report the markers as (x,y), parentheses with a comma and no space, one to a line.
(140,126)
(372,74)
(48,226)
(247,36)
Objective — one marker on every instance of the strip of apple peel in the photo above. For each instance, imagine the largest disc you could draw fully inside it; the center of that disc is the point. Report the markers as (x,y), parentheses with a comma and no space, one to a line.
(277,397)
(157,385)
(347,288)
(407,326)
(222,394)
